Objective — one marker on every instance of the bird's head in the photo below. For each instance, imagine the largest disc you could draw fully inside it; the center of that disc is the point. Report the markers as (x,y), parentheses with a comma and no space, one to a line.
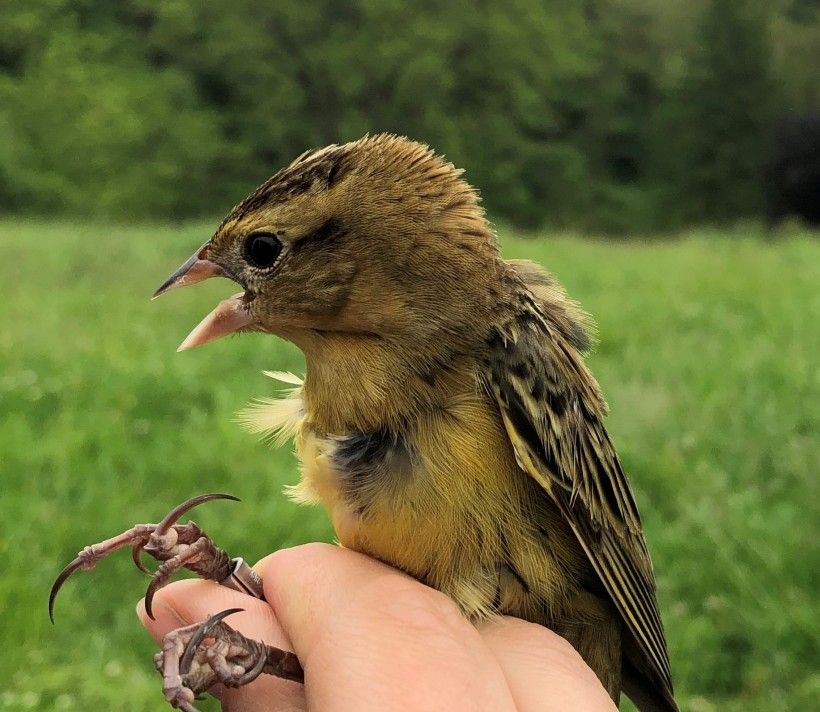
(378,237)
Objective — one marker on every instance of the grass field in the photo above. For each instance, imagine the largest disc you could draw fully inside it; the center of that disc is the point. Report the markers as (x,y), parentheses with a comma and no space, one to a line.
(708,355)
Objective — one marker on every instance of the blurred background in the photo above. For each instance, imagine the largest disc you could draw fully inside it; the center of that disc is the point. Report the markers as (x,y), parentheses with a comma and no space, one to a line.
(662,159)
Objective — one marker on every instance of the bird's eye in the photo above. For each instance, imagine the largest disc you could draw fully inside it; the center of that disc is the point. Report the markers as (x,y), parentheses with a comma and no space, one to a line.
(262,249)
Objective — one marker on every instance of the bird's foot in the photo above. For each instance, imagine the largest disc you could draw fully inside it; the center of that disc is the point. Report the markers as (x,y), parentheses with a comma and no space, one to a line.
(196,657)
(175,545)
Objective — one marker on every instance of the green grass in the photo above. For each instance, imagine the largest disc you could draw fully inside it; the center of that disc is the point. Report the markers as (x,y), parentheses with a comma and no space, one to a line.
(708,354)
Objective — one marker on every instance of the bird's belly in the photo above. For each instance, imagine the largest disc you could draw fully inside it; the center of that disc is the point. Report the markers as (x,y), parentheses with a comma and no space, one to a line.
(452,509)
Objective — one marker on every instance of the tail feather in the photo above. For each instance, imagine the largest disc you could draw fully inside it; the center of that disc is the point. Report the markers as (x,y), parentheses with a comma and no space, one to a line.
(647,696)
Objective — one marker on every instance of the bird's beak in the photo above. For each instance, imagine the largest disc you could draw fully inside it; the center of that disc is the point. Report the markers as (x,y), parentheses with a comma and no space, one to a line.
(197,268)
(231,315)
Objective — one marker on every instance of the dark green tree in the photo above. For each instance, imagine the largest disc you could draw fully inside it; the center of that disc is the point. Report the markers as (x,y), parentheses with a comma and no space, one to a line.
(609,115)
(720,140)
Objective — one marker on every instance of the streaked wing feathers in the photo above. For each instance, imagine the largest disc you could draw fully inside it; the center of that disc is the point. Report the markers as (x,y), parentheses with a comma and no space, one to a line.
(553,410)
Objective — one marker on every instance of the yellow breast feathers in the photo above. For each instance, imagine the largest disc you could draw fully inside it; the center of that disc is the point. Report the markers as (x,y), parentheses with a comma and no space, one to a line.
(450,477)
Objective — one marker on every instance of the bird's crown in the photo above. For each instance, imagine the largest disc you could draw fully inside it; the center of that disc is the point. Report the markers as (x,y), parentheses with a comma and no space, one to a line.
(380,176)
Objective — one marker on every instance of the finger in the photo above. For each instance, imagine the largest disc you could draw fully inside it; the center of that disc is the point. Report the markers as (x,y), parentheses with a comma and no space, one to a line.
(372,638)
(192,601)
(544,672)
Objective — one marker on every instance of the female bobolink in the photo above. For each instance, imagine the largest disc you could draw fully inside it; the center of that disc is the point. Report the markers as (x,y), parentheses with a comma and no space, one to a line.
(447,421)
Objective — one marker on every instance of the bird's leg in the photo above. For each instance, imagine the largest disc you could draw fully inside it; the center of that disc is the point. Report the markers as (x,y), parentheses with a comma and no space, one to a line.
(196,657)
(176,545)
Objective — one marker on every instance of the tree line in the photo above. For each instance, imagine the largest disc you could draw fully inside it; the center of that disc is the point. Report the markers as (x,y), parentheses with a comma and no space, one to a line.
(606,115)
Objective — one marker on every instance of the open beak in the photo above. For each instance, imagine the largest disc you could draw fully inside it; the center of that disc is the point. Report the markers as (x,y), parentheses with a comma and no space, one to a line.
(231,315)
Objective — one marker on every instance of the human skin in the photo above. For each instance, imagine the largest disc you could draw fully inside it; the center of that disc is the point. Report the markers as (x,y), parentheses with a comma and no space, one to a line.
(371,638)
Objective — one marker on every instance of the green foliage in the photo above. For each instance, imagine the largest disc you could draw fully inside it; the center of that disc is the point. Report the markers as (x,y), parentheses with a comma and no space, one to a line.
(612,115)
(725,106)
(707,355)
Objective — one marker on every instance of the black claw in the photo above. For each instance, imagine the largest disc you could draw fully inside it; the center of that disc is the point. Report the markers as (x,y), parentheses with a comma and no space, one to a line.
(149,598)
(254,672)
(153,587)
(199,635)
(58,584)
(136,557)
(172,516)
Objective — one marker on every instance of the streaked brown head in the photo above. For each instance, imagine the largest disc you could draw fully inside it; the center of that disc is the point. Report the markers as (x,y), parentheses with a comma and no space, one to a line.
(378,236)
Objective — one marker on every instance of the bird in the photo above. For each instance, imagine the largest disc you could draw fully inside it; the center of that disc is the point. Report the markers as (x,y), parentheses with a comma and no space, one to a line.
(447,420)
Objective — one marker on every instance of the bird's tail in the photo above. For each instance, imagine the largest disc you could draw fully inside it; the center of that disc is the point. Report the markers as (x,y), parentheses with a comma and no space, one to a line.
(646,696)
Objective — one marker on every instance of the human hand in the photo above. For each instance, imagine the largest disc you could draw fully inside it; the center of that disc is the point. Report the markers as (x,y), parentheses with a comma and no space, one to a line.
(371,638)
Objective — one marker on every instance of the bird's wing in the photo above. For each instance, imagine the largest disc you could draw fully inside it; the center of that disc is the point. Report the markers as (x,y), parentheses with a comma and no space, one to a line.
(553,410)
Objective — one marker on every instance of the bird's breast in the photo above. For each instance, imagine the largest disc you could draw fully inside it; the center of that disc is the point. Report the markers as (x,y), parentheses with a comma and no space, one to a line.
(444,500)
